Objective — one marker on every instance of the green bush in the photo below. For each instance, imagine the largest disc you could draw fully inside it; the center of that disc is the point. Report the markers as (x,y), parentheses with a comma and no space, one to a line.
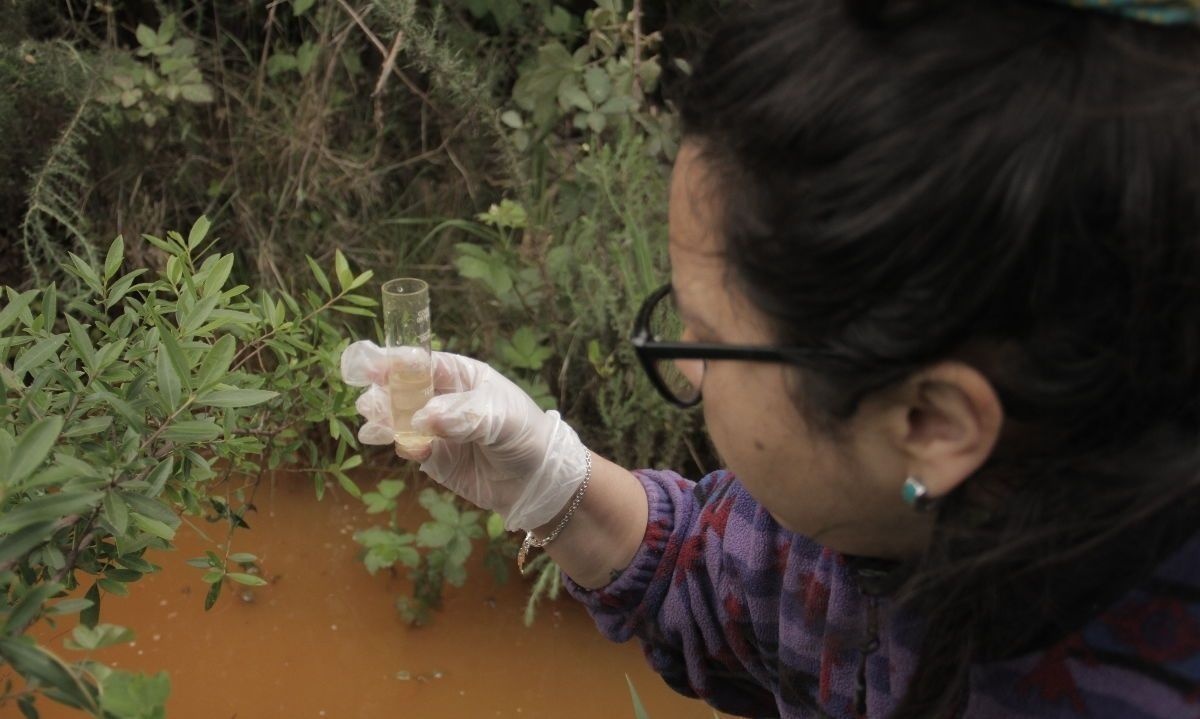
(137,400)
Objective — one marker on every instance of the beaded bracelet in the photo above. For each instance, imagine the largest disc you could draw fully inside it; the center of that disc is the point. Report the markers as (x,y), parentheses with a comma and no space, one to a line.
(532,541)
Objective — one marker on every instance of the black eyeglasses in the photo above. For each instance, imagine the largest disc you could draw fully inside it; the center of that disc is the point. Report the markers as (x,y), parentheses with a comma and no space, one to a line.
(676,369)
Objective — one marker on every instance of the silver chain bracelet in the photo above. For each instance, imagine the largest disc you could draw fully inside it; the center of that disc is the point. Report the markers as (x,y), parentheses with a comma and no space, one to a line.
(532,541)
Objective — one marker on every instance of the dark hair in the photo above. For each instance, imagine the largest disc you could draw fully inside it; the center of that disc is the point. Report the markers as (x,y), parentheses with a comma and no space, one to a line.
(1013,184)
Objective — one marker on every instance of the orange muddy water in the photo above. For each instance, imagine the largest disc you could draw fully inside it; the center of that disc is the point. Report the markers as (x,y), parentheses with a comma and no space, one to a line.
(323,639)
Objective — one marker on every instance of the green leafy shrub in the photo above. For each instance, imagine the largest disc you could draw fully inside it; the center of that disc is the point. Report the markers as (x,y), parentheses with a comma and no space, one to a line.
(131,403)
(144,86)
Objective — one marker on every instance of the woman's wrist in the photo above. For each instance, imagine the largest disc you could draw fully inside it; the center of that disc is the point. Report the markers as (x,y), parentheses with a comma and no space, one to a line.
(606,529)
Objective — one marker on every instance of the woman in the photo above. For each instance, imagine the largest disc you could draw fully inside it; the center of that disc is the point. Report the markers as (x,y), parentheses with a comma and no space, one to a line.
(938,269)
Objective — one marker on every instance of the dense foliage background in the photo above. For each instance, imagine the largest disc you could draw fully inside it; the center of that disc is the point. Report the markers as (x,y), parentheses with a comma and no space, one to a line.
(513,152)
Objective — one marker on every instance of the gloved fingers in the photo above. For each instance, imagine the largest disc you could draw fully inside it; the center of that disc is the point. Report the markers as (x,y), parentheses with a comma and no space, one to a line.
(375,405)
(364,363)
(460,417)
(456,373)
(376,433)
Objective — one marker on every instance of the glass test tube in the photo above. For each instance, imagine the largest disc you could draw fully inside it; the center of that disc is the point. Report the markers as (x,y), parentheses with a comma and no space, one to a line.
(410,374)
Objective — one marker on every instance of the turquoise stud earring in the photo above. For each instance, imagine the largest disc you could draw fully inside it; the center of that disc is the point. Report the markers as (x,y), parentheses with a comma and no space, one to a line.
(916,495)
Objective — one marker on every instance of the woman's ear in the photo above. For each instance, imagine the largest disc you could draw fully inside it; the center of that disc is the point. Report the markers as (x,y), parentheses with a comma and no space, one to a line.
(951,421)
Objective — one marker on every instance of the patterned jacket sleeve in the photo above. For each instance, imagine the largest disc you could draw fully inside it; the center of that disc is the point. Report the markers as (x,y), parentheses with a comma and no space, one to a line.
(703,593)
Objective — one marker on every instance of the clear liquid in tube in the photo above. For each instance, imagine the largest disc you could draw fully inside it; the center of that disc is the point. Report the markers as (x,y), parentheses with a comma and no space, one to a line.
(410,388)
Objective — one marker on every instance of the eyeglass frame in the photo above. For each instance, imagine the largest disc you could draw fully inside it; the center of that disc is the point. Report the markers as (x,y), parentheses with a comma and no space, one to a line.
(650,350)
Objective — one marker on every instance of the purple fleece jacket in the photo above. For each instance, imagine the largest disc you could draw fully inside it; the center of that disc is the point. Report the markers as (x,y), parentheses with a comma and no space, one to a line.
(761,622)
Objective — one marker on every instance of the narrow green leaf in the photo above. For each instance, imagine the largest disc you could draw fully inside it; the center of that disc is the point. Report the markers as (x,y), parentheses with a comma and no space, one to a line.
(116,512)
(34,662)
(361,280)
(243,557)
(85,272)
(29,607)
(218,274)
(193,430)
(169,382)
(214,592)
(114,587)
(39,354)
(318,273)
(348,485)
(50,506)
(7,444)
(121,407)
(152,526)
(17,303)
(198,232)
(341,268)
(151,508)
(159,476)
(82,344)
(236,397)
(109,354)
(69,606)
(357,311)
(250,580)
(22,541)
(216,362)
(49,305)
(112,262)
(121,287)
(75,464)
(89,426)
(179,360)
(32,448)
(639,711)
(299,7)
(361,301)
(90,616)
(198,315)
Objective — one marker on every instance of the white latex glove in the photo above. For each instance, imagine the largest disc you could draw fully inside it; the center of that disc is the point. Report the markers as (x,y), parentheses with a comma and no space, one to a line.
(496,448)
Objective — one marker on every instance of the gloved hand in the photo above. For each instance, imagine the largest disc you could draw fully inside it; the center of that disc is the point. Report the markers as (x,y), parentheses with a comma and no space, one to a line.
(495,447)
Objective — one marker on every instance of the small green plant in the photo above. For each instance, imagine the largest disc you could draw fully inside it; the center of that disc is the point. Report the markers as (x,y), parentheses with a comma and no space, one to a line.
(138,400)
(598,83)
(436,554)
(145,88)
